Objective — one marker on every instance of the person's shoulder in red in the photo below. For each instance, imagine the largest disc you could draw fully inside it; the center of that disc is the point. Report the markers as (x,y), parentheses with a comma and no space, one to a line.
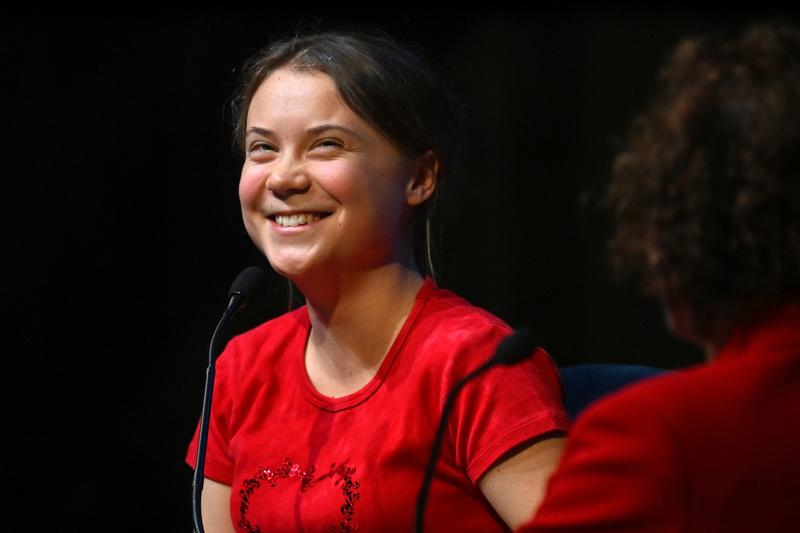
(265,341)
(454,332)
(443,303)
(443,326)
(499,410)
(704,449)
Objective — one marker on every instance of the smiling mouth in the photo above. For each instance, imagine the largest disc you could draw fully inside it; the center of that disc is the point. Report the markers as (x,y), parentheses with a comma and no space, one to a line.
(300,219)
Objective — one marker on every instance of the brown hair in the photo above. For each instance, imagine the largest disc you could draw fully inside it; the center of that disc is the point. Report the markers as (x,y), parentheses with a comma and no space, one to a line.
(392,87)
(706,194)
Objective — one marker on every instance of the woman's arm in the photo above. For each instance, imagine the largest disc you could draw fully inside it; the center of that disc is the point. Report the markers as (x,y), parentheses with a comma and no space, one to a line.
(515,485)
(216,507)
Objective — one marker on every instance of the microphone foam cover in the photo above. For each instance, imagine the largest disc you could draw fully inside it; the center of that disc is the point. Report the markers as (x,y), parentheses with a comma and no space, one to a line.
(516,347)
(250,282)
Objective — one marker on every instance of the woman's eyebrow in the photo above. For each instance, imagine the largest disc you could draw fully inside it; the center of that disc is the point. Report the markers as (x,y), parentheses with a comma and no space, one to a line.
(259,131)
(316,130)
(326,127)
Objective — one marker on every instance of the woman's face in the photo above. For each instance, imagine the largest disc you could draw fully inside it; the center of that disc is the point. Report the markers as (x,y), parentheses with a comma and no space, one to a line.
(321,191)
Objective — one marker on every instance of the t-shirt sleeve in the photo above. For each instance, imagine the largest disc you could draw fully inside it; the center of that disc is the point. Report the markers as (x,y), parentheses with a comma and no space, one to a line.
(505,407)
(620,472)
(218,464)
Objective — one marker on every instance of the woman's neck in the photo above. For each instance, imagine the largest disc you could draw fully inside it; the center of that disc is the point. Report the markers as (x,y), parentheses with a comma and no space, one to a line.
(354,322)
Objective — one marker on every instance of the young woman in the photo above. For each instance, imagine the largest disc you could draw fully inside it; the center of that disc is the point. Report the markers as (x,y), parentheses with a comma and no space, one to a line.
(323,419)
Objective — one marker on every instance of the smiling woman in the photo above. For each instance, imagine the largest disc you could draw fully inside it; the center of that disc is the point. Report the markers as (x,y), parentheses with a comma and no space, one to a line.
(323,192)
(323,418)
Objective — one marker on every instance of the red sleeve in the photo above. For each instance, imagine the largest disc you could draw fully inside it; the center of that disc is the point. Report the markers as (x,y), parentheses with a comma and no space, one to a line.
(620,472)
(505,407)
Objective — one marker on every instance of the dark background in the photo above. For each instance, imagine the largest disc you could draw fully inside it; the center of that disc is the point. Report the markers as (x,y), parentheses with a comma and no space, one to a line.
(124,213)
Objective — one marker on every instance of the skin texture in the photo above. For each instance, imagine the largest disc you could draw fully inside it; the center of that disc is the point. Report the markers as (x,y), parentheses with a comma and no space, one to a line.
(216,508)
(517,484)
(306,152)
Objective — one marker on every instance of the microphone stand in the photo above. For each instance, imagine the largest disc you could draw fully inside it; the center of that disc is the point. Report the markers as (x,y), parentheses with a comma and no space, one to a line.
(214,350)
(510,351)
(437,443)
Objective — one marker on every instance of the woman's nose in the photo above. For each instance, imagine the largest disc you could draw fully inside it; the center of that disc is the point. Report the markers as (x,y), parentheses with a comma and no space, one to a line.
(288,177)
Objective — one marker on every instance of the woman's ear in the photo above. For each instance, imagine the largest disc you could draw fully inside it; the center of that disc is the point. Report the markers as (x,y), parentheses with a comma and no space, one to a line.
(422,181)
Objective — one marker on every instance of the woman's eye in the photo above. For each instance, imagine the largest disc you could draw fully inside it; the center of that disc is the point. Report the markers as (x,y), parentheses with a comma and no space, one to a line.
(328,144)
(261,147)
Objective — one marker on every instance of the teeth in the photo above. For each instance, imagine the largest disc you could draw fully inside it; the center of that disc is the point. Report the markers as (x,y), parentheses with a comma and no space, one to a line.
(288,221)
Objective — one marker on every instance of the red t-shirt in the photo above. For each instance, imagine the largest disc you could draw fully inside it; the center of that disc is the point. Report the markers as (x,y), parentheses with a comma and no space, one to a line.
(300,461)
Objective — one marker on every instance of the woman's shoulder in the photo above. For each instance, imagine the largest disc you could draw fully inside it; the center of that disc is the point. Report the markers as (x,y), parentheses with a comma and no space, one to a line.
(267,342)
(276,328)
(450,324)
(449,311)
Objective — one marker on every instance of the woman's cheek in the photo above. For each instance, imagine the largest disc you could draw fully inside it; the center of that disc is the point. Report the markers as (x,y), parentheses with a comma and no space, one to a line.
(336,178)
(250,185)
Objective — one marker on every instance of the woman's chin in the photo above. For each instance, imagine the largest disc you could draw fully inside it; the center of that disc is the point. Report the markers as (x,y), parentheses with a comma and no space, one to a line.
(294,270)
(294,273)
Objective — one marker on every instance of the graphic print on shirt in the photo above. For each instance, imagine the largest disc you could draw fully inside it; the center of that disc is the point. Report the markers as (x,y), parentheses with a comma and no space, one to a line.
(340,475)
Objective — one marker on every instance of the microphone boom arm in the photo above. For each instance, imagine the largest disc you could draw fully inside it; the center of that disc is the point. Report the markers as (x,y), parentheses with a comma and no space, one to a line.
(437,443)
(213,352)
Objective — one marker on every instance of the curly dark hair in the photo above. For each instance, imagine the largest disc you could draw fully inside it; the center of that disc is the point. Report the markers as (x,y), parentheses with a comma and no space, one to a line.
(706,193)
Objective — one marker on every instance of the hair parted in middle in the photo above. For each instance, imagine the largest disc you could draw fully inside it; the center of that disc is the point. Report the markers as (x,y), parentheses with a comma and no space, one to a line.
(393,87)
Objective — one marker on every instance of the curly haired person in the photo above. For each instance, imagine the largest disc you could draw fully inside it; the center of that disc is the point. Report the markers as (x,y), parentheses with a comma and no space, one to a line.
(706,197)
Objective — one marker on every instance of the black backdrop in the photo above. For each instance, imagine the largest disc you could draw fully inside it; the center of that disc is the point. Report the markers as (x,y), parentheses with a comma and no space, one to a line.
(128,220)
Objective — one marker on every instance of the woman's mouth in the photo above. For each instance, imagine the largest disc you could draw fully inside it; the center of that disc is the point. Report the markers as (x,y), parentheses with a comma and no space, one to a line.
(299,219)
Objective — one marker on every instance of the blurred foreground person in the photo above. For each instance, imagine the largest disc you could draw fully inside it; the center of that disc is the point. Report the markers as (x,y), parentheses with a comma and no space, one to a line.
(707,205)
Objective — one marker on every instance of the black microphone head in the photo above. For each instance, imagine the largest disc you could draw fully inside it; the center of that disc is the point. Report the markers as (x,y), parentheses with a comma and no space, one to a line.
(516,347)
(249,283)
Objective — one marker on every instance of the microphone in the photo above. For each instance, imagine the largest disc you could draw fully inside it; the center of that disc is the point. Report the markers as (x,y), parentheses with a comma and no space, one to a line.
(510,351)
(248,284)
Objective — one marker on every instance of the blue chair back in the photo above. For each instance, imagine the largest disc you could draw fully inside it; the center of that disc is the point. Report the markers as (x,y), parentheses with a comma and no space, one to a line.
(585,384)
